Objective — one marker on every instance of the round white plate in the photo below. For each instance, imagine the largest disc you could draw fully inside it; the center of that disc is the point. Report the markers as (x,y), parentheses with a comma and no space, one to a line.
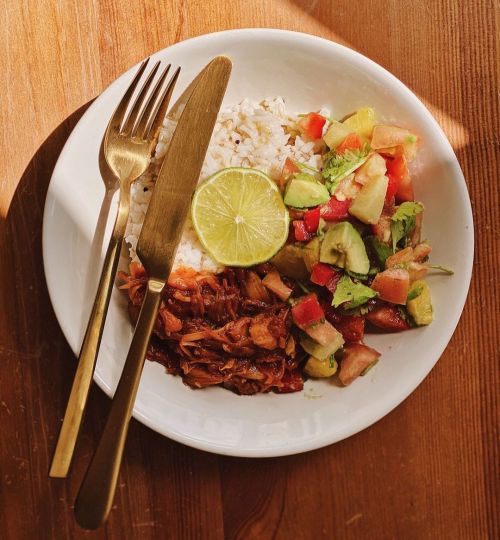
(308,72)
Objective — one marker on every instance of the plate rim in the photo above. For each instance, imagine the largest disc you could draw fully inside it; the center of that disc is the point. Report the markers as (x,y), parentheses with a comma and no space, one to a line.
(370,419)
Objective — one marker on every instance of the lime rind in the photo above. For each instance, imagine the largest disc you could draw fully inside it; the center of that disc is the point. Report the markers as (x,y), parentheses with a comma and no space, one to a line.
(240,217)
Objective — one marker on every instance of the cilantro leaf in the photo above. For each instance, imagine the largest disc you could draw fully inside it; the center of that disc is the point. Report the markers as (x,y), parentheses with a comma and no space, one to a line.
(336,167)
(407,209)
(403,221)
(355,294)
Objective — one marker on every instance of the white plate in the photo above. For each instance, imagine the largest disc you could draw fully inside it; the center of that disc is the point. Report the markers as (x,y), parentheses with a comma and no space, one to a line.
(308,72)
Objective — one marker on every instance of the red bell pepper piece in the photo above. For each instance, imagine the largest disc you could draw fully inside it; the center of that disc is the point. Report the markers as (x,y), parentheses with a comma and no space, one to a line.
(311,219)
(351,142)
(300,231)
(312,125)
(333,210)
(322,274)
(307,311)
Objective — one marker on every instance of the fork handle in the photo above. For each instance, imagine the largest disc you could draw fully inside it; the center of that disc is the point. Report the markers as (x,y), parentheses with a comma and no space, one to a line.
(98,487)
(90,347)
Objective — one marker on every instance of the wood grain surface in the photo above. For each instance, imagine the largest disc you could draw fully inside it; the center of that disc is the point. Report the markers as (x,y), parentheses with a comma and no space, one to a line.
(430,469)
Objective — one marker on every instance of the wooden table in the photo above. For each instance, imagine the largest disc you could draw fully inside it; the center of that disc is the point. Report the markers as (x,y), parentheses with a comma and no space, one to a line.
(427,470)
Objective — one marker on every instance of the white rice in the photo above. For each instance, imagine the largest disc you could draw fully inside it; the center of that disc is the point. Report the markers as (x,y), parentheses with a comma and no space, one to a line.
(246,135)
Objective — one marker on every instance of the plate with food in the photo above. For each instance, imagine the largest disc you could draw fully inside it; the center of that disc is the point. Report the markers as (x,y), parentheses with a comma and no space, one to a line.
(323,267)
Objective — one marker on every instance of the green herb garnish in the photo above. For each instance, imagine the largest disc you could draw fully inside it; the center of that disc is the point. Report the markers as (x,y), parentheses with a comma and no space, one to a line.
(403,221)
(336,167)
(352,293)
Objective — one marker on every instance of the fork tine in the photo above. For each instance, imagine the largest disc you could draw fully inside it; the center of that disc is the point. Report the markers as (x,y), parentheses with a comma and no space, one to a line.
(146,111)
(160,110)
(117,118)
(129,122)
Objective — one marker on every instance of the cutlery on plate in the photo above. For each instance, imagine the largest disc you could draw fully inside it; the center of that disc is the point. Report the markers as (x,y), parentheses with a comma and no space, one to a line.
(156,249)
(128,143)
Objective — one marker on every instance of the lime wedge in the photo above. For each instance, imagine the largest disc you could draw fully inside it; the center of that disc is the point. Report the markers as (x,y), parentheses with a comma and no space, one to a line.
(240,217)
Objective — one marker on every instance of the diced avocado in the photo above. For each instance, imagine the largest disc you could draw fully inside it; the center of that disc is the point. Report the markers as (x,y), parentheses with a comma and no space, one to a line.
(290,262)
(320,369)
(310,253)
(342,246)
(321,352)
(419,303)
(369,202)
(336,133)
(361,122)
(304,192)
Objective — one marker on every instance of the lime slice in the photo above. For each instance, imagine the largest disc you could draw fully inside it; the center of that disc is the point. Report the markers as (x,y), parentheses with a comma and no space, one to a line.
(240,217)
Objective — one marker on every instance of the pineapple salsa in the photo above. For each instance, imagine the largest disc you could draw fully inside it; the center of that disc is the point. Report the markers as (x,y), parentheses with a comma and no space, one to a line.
(354,245)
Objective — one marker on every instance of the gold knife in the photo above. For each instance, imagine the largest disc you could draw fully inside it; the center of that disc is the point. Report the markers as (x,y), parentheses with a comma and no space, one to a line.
(156,249)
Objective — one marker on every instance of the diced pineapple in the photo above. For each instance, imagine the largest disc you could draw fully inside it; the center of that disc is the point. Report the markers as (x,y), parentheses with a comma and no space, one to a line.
(369,202)
(362,122)
(335,134)
(374,166)
(387,139)
(320,369)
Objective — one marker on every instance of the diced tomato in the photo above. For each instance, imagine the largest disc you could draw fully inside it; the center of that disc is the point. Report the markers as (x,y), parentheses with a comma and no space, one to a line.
(392,285)
(333,210)
(351,142)
(352,327)
(421,251)
(289,169)
(405,190)
(300,231)
(392,187)
(324,275)
(307,311)
(399,179)
(356,359)
(312,125)
(388,318)
(403,256)
(311,219)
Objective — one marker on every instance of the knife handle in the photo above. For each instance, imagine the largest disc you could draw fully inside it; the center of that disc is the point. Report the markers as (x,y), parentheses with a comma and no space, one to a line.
(90,347)
(96,493)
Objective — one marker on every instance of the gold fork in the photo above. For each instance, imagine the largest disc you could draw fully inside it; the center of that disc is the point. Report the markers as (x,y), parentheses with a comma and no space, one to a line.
(128,144)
